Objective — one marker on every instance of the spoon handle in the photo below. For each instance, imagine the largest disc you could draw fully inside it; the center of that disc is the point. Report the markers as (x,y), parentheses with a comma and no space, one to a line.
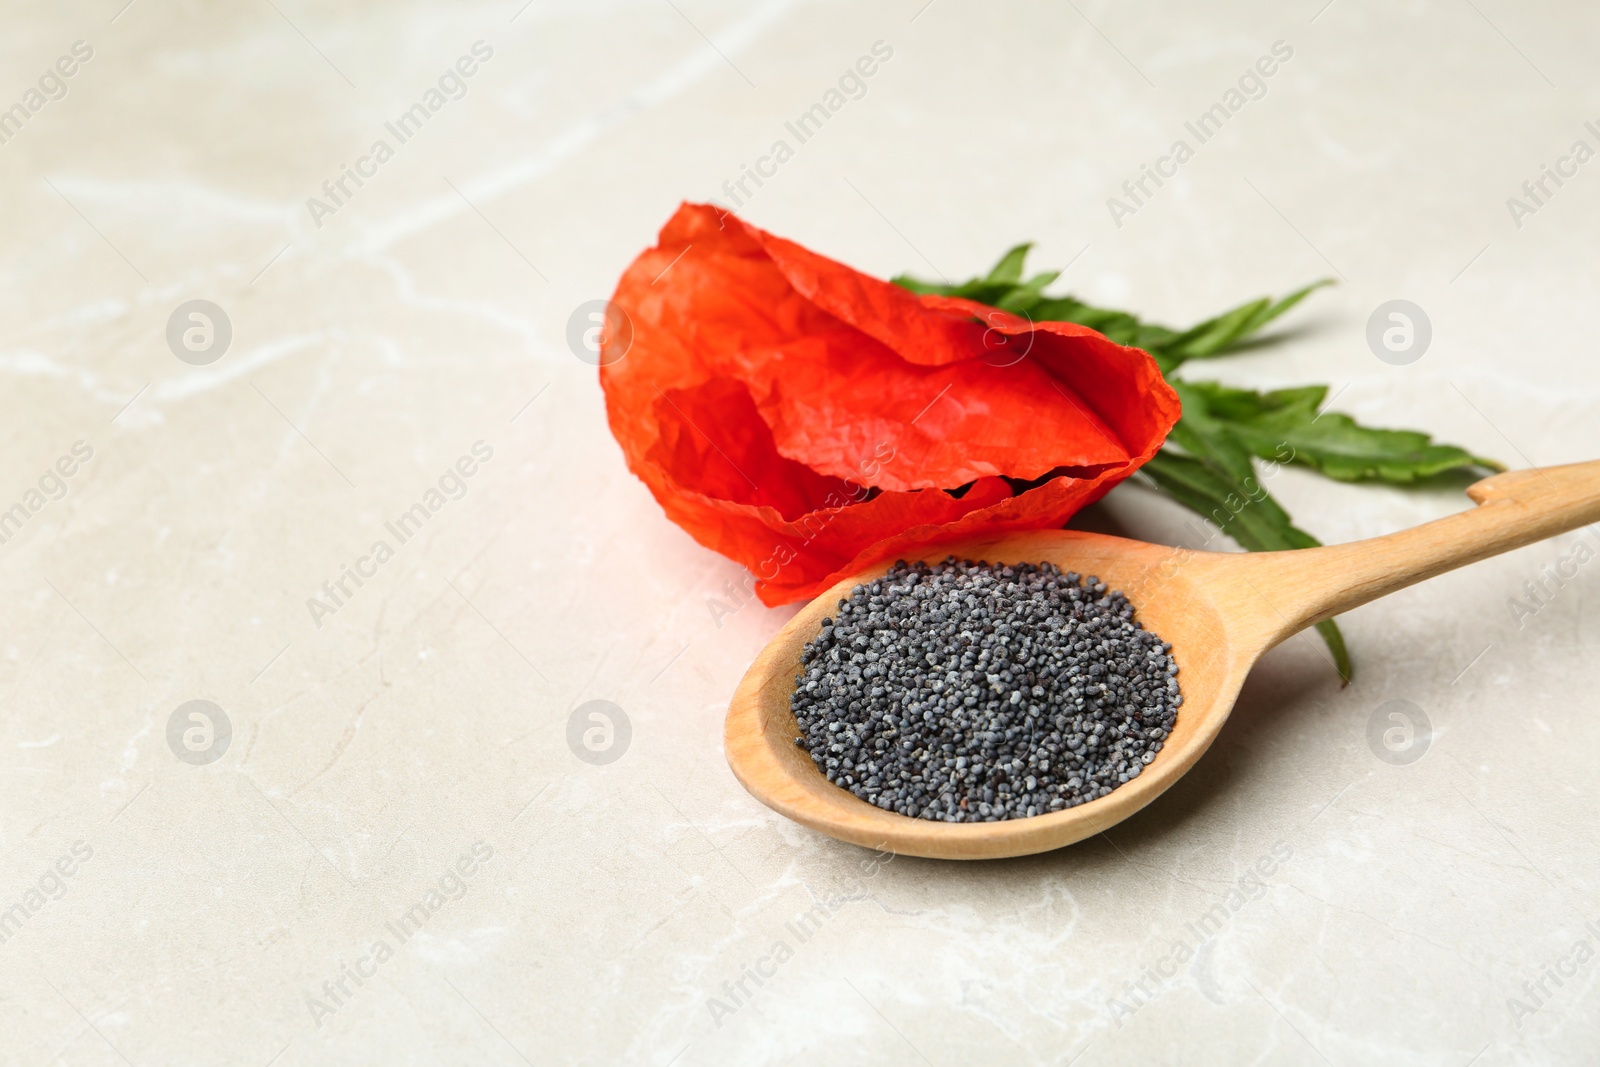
(1516,508)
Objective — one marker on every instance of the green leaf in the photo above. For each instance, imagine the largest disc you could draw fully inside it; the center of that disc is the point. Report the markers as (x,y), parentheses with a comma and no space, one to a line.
(1009,270)
(1208,466)
(1334,639)
(1244,511)
(1223,334)
(1249,515)
(1023,298)
(1285,426)
(1208,463)
(1213,335)
(1003,288)
(1247,405)
(1204,436)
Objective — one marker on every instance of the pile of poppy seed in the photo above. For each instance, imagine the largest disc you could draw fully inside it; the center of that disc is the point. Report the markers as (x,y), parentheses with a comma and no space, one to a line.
(975,692)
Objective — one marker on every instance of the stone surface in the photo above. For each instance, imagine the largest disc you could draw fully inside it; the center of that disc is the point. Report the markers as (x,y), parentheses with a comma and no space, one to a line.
(1305,896)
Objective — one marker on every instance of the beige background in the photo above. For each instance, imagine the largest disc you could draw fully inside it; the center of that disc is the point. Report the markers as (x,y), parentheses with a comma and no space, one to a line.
(429,713)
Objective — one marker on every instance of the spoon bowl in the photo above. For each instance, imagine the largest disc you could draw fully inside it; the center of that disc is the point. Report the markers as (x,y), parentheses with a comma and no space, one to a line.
(1220,611)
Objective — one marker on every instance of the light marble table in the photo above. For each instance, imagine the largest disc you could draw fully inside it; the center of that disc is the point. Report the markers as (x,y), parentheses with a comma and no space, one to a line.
(398,771)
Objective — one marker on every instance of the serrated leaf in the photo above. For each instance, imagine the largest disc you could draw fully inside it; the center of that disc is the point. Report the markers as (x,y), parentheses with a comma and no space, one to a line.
(1286,426)
(1204,436)
(1218,336)
(1003,287)
(1248,514)
(1285,304)
(1250,517)
(1213,335)
(1248,405)
(1208,463)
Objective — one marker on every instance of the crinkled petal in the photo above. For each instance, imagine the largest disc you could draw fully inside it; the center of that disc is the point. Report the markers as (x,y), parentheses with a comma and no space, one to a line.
(802,417)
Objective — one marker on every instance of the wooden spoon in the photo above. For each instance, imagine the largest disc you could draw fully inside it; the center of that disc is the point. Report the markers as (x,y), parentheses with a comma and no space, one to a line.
(1220,610)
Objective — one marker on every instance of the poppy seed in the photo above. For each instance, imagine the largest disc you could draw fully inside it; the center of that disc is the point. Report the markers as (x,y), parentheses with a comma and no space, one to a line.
(976,692)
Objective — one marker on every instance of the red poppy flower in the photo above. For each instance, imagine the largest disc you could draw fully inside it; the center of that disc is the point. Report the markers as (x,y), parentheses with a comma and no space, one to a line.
(806,420)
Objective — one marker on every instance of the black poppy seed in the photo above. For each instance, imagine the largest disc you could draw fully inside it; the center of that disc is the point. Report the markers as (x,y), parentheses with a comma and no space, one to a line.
(974,692)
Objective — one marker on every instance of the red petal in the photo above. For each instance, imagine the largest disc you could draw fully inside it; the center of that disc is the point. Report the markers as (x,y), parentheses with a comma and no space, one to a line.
(767,388)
